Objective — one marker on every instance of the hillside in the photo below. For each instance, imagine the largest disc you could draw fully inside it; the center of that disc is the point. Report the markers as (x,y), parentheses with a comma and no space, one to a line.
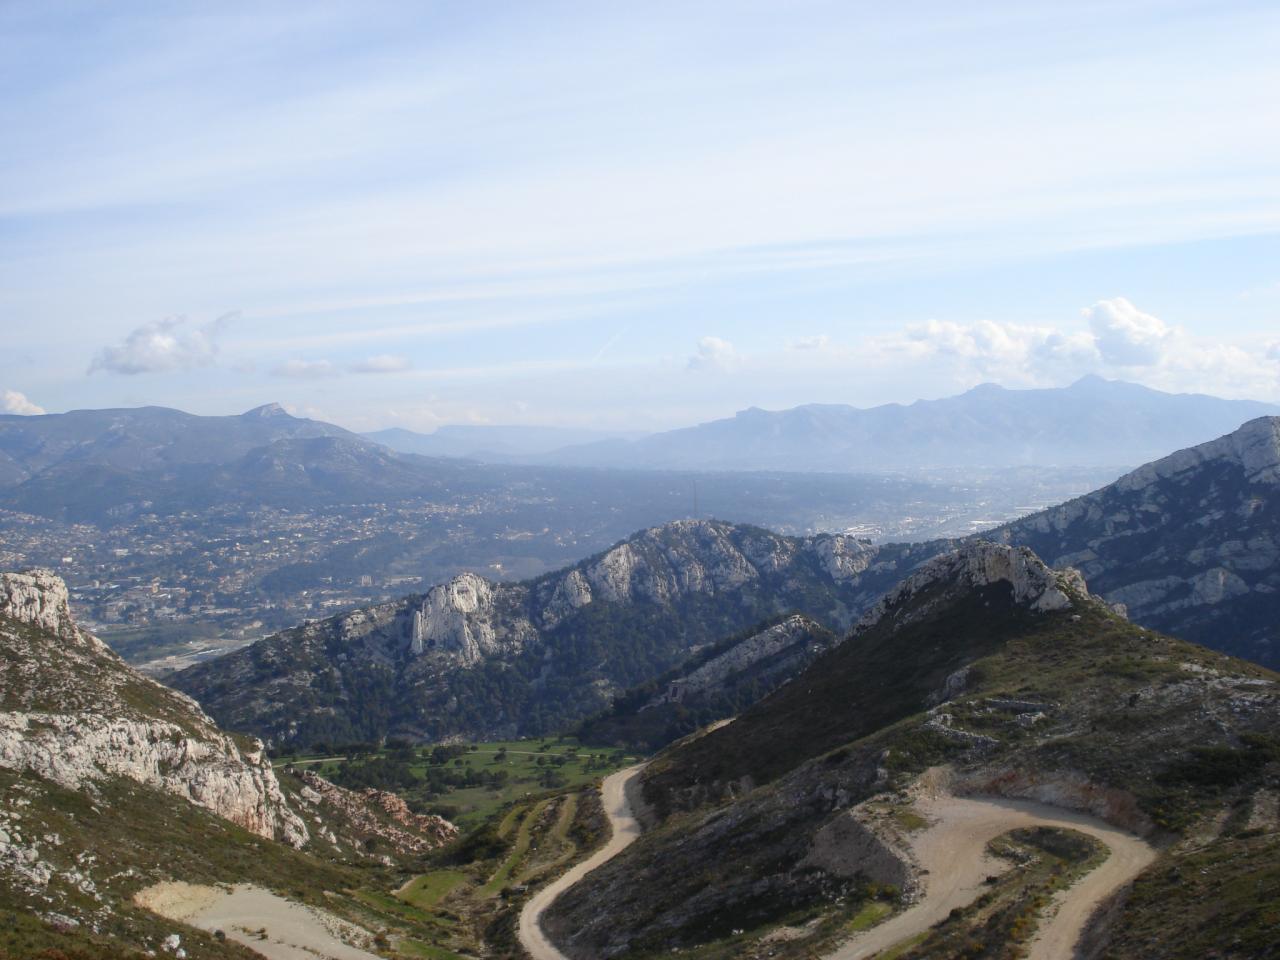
(716,683)
(1189,544)
(997,676)
(1093,422)
(480,659)
(115,784)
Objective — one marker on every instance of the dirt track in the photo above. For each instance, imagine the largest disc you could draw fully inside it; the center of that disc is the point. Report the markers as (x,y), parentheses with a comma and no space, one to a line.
(625,830)
(292,931)
(953,851)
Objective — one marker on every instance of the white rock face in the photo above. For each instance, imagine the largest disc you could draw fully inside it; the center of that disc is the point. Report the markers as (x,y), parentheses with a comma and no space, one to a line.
(38,597)
(78,715)
(460,619)
(739,657)
(1255,446)
(981,563)
(210,771)
(844,558)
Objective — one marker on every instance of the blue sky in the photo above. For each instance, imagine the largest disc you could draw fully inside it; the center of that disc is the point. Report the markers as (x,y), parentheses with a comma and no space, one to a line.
(632,215)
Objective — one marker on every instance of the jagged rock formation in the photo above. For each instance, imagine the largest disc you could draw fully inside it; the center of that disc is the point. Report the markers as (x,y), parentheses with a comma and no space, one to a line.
(482,659)
(977,564)
(989,671)
(75,714)
(374,813)
(1189,544)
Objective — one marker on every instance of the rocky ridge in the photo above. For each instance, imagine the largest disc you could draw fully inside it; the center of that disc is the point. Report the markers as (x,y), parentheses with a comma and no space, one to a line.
(558,647)
(77,715)
(1190,543)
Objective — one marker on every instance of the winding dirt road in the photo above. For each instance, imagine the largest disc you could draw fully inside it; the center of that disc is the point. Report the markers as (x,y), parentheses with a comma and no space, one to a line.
(953,851)
(625,830)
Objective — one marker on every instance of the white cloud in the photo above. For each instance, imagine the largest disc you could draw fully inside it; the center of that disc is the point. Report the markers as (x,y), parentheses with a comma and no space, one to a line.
(161,346)
(305,369)
(1010,352)
(15,402)
(382,363)
(1127,337)
(714,354)
(819,342)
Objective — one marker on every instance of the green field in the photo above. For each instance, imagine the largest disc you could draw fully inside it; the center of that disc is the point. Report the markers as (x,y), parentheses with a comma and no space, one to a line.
(511,770)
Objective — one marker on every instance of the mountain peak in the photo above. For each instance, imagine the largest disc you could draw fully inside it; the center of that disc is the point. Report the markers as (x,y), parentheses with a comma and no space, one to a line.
(976,564)
(266,411)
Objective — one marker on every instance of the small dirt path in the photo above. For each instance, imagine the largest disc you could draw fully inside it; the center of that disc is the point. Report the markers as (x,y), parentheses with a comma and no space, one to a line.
(953,851)
(625,831)
(293,931)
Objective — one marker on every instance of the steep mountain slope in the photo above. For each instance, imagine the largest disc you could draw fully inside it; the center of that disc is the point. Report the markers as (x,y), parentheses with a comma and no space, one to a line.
(74,714)
(481,659)
(114,783)
(1190,543)
(1092,422)
(996,676)
(714,684)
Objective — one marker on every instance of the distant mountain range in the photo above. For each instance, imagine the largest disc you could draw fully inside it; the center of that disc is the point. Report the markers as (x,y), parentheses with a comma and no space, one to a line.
(1092,423)
(480,442)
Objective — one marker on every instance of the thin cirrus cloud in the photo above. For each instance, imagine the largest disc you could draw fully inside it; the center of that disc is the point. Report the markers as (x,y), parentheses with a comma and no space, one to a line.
(305,369)
(382,363)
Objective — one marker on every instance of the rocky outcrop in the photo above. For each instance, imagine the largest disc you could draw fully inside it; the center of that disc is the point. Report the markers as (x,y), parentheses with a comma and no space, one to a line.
(796,635)
(376,813)
(77,715)
(460,619)
(38,597)
(978,564)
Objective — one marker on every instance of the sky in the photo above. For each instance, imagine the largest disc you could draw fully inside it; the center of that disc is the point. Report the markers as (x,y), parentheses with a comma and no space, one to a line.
(631,216)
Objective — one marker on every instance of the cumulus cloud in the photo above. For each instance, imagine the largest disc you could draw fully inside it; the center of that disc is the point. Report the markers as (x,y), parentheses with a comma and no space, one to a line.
(305,369)
(1127,337)
(15,402)
(382,363)
(714,354)
(162,346)
(1006,351)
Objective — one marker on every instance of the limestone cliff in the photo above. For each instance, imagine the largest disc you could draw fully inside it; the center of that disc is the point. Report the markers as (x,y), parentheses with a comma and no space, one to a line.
(72,712)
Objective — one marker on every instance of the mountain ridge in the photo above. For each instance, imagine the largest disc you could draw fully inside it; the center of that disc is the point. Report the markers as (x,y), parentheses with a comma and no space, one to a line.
(1093,422)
